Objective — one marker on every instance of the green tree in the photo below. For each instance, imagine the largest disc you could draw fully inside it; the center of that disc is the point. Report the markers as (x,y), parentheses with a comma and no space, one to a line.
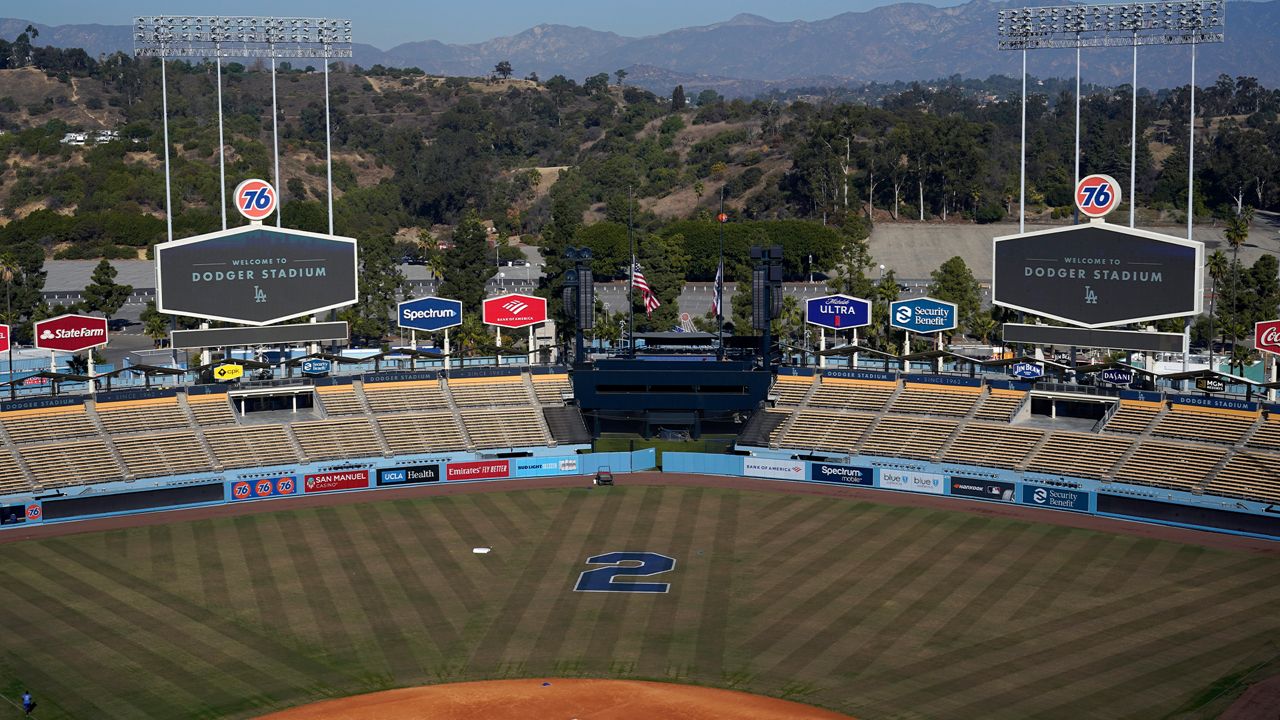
(104,294)
(381,286)
(466,265)
(677,99)
(596,84)
(503,69)
(621,75)
(954,282)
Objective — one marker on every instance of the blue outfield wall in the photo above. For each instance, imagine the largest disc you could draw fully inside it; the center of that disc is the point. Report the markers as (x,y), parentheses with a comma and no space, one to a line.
(1049,492)
(283,481)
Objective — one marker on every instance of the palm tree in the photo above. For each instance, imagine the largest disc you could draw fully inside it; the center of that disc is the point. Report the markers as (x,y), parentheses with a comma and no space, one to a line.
(1236,232)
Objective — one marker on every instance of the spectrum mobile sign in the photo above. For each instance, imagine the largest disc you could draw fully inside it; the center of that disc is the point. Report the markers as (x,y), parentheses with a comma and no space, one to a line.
(429,313)
(255,275)
(838,312)
(71,333)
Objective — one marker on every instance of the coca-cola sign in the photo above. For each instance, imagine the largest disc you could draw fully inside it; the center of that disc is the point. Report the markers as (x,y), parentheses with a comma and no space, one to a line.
(71,333)
(1266,336)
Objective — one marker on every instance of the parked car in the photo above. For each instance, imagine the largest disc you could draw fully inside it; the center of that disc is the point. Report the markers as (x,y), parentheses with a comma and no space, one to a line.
(604,476)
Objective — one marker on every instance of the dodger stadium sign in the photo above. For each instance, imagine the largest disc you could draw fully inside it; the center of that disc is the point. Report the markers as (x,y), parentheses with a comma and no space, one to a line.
(1098,275)
(255,275)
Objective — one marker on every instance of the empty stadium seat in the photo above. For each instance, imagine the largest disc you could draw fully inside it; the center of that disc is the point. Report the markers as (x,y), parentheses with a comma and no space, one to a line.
(78,462)
(408,433)
(239,446)
(1180,466)
(925,399)
(910,437)
(551,389)
(1204,424)
(1253,476)
(1088,455)
(339,400)
(791,389)
(1000,404)
(870,395)
(475,392)
(1267,436)
(993,445)
(822,430)
(137,415)
(508,427)
(211,410)
(412,396)
(1133,416)
(12,478)
(25,426)
(333,439)
(157,454)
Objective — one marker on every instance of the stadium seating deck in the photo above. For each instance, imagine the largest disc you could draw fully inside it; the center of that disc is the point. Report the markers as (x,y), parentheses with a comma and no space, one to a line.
(823,430)
(936,400)
(1189,422)
(551,389)
(251,446)
(1168,465)
(340,400)
(508,427)
(868,395)
(211,410)
(1267,436)
(334,439)
(156,454)
(12,478)
(1000,404)
(1250,475)
(1081,454)
(992,445)
(405,396)
(791,389)
(408,433)
(41,424)
(471,392)
(137,415)
(910,437)
(1133,416)
(72,463)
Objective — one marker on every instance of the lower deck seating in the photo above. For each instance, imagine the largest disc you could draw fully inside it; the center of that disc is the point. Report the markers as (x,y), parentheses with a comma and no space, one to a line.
(211,410)
(1250,475)
(993,445)
(1267,436)
(1087,455)
(12,479)
(869,395)
(791,389)
(1000,404)
(1189,422)
(508,427)
(936,400)
(72,463)
(1180,466)
(551,389)
(41,424)
(910,437)
(333,439)
(1133,416)
(822,430)
(241,446)
(157,454)
(409,433)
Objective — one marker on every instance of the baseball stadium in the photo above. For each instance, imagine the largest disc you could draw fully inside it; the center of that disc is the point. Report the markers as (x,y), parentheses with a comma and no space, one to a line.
(264,521)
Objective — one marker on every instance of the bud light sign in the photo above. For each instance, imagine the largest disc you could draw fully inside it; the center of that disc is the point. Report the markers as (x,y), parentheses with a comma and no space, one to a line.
(845,474)
(838,312)
(1026,370)
(1117,376)
(430,314)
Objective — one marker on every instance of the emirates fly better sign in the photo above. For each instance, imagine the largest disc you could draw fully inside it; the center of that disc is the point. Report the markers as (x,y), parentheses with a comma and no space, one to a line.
(515,310)
(71,333)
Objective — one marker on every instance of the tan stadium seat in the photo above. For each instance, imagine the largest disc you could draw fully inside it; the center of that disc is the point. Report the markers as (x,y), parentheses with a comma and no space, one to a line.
(157,454)
(869,395)
(993,445)
(1177,466)
(409,433)
(333,439)
(137,415)
(906,436)
(411,396)
(211,410)
(791,389)
(339,400)
(1189,422)
(239,446)
(41,424)
(78,462)
(475,392)
(551,389)
(1088,455)
(1000,404)
(1133,416)
(924,399)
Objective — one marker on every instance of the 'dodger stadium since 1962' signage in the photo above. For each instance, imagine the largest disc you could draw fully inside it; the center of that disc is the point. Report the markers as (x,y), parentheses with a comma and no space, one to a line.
(255,275)
(1098,275)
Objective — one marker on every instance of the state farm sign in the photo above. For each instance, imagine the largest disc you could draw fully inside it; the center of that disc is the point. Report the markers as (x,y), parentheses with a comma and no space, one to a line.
(1266,336)
(515,310)
(71,333)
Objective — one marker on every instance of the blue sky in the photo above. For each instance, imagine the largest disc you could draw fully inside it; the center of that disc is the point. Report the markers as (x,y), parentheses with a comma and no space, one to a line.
(385,23)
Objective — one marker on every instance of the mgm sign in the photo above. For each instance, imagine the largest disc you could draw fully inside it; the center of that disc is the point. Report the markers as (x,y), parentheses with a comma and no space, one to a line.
(1098,275)
(255,275)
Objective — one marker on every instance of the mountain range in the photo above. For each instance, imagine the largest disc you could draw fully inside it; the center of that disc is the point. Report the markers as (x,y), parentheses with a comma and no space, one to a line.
(749,53)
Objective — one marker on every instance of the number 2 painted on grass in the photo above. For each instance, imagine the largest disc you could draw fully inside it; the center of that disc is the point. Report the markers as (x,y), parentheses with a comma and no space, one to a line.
(601,579)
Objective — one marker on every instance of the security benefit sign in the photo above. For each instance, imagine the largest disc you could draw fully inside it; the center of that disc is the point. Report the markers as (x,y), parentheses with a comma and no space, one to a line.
(1098,275)
(924,315)
(1056,498)
(255,275)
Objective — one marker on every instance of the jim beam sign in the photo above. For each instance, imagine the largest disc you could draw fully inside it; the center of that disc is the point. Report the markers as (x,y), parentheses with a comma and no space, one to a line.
(1098,275)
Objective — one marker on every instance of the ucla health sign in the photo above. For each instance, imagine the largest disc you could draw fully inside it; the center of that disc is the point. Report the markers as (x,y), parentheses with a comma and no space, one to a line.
(838,312)
(430,314)
(923,315)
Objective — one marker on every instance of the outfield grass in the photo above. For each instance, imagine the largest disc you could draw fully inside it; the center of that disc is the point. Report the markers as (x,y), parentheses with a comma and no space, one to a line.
(877,611)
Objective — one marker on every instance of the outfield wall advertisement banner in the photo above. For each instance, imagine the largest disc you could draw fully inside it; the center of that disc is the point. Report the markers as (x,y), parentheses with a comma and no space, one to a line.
(847,474)
(919,482)
(482,470)
(776,469)
(263,488)
(544,467)
(1056,498)
(345,480)
(983,489)
(409,475)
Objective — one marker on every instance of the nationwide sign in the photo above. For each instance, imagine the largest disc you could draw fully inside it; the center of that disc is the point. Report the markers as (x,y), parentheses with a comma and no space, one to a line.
(429,313)
(515,310)
(838,312)
(912,481)
(1098,275)
(1266,336)
(71,333)
(1027,370)
(347,480)
(923,315)
(255,275)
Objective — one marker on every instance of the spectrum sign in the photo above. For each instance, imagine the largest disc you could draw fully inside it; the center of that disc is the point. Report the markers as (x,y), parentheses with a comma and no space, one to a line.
(71,333)
(429,313)
(515,310)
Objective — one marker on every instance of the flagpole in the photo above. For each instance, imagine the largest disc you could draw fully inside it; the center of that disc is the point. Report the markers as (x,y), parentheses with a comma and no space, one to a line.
(631,280)
(719,283)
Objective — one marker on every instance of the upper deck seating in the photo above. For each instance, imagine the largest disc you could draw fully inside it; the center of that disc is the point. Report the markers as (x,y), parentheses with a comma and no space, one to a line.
(1000,404)
(924,399)
(551,389)
(339,400)
(211,410)
(41,424)
(791,389)
(1088,455)
(1133,416)
(473,392)
(412,396)
(1189,422)
(869,395)
(911,437)
(137,415)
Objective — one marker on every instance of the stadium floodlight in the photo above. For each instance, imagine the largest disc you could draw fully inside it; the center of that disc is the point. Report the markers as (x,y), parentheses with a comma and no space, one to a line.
(217,37)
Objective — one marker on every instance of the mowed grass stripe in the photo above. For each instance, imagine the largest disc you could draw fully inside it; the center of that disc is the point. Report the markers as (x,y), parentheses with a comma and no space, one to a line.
(488,655)
(454,511)
(1075,550)
(613,639)
(660,628)
(160,548)
(300,528)
(699,565)
(263,586)
(782,537)
(709,656)
(508,521)
(793,608)
(421,519)
(1122,567)
(212,574)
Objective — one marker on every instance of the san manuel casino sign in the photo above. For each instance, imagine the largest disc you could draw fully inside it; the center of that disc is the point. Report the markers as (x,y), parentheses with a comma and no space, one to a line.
(255,275)
(1098,275)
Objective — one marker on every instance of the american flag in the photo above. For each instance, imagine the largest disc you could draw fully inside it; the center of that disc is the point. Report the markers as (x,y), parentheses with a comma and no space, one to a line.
(638,282)
(716,299)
